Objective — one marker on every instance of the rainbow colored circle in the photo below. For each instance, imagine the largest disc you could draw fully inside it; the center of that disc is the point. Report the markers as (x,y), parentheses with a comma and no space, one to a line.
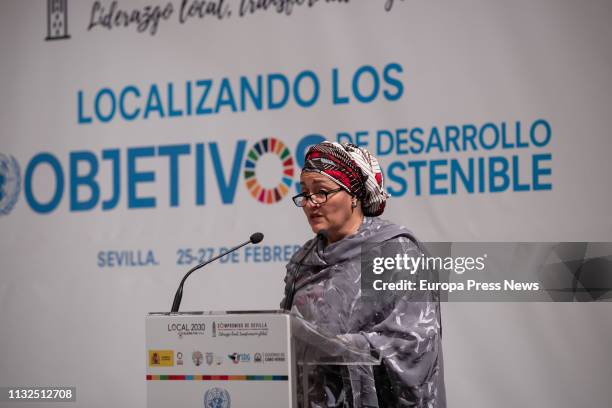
(260,193)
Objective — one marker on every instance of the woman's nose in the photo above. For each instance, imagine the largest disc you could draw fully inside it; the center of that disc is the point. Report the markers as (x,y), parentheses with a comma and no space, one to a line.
(310,204)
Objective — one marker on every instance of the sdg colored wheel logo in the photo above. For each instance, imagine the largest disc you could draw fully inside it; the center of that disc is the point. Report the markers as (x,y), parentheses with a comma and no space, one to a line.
(259,192)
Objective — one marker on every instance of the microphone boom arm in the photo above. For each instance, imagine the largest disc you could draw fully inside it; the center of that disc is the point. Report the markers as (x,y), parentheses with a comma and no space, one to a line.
(176,304)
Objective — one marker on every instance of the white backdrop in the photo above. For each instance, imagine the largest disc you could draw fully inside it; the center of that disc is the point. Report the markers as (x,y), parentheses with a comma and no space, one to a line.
(70,315)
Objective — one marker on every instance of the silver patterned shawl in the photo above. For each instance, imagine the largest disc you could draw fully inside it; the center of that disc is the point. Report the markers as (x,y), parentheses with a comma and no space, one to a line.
(405,331)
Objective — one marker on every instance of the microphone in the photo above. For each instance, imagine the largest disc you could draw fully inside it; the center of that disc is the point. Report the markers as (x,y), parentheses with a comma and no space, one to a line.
(255,238)
(290,286)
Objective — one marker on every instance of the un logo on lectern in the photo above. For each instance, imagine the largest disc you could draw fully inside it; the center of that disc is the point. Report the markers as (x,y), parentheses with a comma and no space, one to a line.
(10,183)
(217,398)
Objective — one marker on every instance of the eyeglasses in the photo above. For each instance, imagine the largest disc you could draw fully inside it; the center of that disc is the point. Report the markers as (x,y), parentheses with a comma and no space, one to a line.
(315,198)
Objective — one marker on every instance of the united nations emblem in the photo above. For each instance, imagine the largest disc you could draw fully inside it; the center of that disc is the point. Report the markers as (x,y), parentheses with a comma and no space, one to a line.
(217,398)
(10,183)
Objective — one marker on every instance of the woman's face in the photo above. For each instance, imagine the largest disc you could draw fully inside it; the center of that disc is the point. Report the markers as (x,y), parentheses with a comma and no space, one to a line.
(336,215)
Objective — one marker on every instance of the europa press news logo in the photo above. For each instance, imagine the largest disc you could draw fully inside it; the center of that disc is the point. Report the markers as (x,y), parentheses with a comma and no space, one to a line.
(10,183)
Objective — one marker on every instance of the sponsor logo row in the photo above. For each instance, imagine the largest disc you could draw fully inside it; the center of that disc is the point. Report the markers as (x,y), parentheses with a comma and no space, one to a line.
(170,358)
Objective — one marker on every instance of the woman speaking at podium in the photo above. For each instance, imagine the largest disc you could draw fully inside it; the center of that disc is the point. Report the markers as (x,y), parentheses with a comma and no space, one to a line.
(342,197)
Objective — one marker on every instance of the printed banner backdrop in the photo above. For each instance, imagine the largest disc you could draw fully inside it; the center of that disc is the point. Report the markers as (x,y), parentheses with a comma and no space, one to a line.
(139,138)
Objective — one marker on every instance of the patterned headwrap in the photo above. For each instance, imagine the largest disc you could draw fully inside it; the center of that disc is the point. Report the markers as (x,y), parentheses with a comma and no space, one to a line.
(354,169)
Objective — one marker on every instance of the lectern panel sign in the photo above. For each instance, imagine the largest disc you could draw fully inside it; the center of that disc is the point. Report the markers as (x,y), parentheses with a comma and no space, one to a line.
(218,360)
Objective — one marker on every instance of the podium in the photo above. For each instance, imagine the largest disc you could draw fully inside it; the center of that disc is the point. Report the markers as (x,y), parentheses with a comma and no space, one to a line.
(238,359)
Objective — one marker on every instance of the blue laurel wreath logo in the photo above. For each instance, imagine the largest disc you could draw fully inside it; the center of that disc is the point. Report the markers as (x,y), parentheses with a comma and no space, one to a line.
(217,398)
(10,183)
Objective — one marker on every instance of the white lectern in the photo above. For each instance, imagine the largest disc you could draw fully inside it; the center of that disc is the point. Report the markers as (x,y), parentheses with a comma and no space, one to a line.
(237,359)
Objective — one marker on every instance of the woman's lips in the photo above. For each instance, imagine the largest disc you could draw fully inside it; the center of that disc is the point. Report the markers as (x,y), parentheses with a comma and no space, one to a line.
(315,217)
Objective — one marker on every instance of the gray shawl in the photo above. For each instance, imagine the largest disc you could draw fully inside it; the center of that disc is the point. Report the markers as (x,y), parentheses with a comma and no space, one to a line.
(405,331)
